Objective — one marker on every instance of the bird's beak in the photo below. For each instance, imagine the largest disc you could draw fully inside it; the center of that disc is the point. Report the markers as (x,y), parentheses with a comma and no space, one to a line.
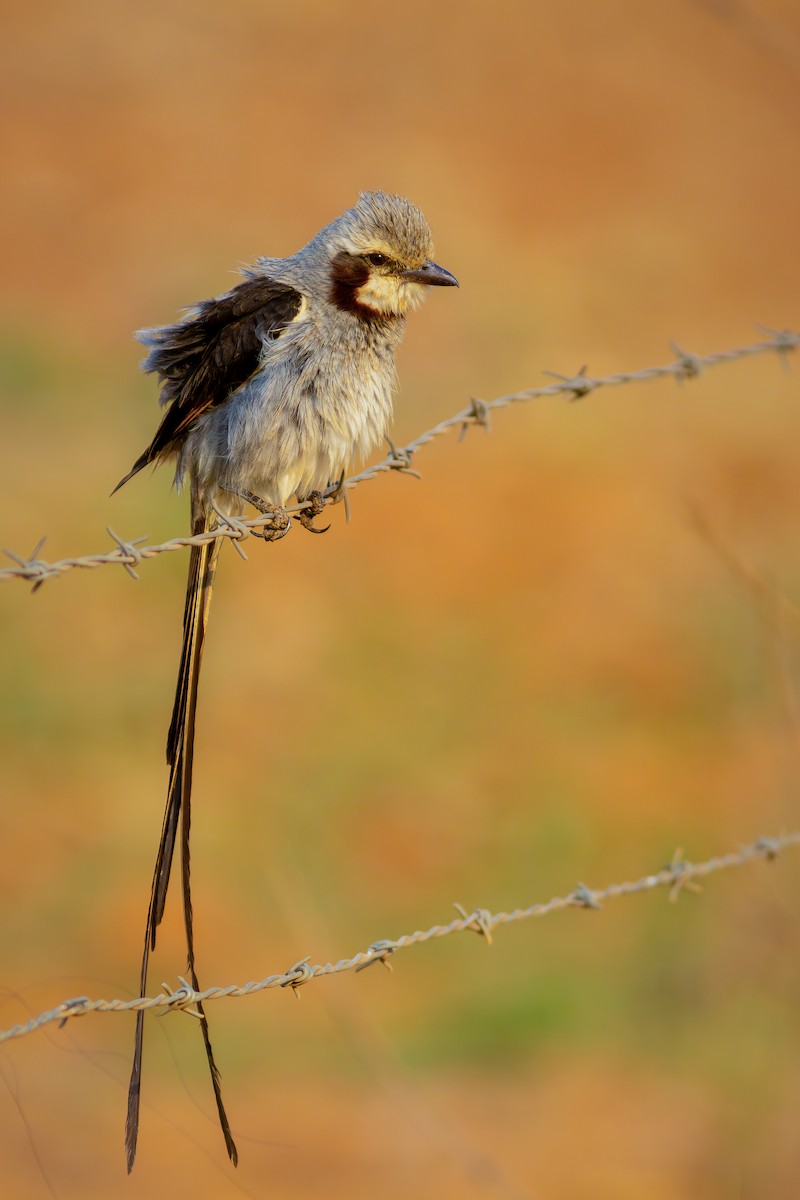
(431,275)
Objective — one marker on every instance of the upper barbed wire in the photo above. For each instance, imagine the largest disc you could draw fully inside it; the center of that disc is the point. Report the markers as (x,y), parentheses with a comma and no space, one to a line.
(130,553)
(679,875)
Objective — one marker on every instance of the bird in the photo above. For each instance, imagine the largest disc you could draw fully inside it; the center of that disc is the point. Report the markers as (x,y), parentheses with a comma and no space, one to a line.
(270,391)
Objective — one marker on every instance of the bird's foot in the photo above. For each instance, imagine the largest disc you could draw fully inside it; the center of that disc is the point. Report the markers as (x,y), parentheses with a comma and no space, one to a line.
(316,505)
(279,525)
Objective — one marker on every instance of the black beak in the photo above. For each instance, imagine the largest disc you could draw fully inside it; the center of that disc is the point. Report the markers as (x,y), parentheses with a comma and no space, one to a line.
(431,275)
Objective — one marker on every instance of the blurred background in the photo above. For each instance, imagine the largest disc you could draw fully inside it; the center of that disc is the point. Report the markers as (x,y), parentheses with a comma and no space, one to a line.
(560,655)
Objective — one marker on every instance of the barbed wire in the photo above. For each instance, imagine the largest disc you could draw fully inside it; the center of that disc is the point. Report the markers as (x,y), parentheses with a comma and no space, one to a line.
(130,553)
(679,875)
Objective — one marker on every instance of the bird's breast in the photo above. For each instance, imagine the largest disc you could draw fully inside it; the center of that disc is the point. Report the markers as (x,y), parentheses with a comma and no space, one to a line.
(317,403)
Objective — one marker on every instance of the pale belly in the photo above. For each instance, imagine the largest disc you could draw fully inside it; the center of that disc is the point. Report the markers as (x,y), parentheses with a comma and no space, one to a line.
(284,435)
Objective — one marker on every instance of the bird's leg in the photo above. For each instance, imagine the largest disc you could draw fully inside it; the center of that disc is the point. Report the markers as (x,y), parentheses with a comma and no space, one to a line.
(280,518)
(316,505)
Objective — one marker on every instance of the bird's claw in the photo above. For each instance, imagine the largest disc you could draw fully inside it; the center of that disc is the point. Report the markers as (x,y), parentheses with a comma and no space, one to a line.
(278,527)
(316,505)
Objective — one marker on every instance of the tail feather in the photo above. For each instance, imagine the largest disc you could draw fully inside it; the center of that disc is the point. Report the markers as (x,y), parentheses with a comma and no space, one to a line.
(180,755)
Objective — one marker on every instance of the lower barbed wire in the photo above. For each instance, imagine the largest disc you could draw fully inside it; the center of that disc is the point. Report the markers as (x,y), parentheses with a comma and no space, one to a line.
(677,876)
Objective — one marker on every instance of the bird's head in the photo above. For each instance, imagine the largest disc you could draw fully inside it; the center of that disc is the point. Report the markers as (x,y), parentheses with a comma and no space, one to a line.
(381,257)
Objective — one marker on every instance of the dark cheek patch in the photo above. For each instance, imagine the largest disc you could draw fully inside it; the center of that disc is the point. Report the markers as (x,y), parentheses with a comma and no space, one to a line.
(348,274)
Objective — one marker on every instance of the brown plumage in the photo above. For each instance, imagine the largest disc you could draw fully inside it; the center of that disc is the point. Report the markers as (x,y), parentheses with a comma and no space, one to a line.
(201,361)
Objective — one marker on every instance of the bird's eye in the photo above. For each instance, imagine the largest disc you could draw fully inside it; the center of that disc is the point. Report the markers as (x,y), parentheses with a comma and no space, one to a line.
(377,260)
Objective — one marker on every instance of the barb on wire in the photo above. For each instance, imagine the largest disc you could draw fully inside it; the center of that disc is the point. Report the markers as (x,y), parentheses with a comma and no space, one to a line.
(130,553)
(679,875)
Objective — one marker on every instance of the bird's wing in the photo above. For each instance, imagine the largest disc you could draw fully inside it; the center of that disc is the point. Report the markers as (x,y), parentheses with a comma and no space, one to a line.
(203,359)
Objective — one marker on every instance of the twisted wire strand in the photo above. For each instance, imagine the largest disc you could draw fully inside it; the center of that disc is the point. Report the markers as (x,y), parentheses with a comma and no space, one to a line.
(131,553)
(679,875)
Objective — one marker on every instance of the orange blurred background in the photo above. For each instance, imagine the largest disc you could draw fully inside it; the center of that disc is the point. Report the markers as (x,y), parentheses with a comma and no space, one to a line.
(528,668)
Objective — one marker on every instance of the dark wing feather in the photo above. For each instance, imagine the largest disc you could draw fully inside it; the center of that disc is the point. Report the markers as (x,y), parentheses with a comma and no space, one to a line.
(200,361)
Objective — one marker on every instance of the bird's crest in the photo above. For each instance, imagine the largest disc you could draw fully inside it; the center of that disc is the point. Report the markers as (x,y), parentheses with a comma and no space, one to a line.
(389,224)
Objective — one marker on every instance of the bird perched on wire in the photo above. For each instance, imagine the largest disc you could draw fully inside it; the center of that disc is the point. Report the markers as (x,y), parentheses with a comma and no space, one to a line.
(271,390)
